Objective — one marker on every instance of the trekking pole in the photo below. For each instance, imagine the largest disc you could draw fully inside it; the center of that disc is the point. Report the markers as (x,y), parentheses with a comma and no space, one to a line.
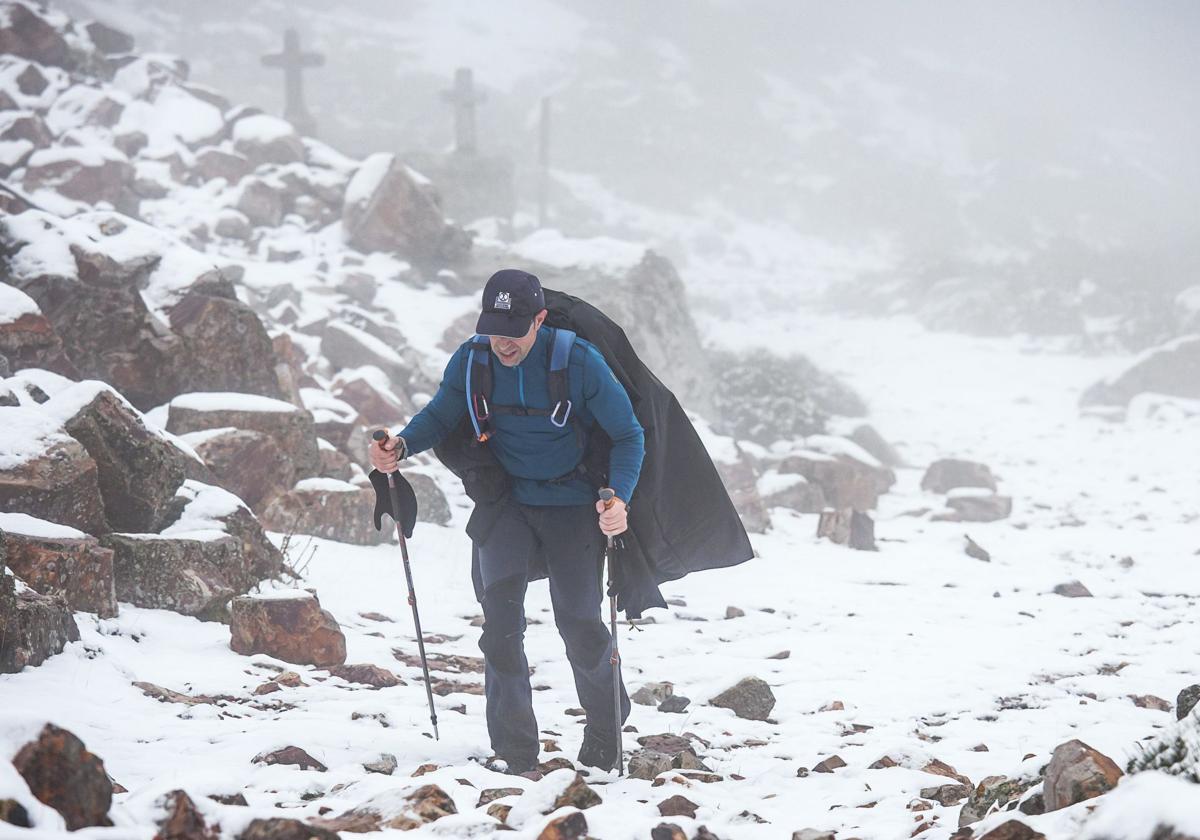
(607,496)
(381,436)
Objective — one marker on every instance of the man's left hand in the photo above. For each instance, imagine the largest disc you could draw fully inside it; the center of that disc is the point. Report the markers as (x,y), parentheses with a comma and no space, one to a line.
(614,519)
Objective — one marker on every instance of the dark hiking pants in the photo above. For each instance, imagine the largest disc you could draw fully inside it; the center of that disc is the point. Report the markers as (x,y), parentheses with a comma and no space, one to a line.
(570,541)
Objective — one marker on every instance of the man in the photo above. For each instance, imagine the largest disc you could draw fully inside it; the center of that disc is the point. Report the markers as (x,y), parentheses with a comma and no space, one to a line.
(551,511)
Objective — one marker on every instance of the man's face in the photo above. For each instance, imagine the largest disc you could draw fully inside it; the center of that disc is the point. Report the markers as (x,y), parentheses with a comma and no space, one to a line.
(512,351)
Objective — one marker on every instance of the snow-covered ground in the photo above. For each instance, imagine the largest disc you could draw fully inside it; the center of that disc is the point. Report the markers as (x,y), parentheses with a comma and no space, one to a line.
(936,651)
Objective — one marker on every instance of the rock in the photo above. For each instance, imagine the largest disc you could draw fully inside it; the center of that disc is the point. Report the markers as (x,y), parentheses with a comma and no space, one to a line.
(489,795)
(266,139)
(1013,830)
(109,41)
(229,799)
(869,439)
(246,463)
(1172,369)
(334,463)
(29,340)
(968,504)
(829,765)
(183,820)
(138,470)
(388,207)
(647,764)
(945,474)
(848,527)
(33,627)
(291,626)
(813,834)
(61,773)
(651,694)
(668,745)
(25,34)
(991,792)
(1077,772)
(1149,701)
(1187,701)
(734,612)
(230,345)
(292,756)
(188,576)
(947,795)
(751,698)
(14,813)
(883,763)
(783,654)
(674,704)
(667,831)
(366,674)
(846,479)
(369,392)
(75,566)
(385,764)
(212,163)
(576,795)
(328,508)
(571,826)
(677,806)
(290,428)
(279,828)
(260,202)
(1072,589)
(937,767)
(90,174)
(58,484)
(499,811)
(403,811)
(741,482)
(973,549)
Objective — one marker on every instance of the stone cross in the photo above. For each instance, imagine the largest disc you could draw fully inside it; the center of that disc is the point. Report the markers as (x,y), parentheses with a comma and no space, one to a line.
(293,61)
(464,99)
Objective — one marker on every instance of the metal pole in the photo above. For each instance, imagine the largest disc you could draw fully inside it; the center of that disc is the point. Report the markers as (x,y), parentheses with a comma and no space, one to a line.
(381,436)
(607,495)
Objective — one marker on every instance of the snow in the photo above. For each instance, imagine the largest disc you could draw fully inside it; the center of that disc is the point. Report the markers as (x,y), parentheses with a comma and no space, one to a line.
(368,178)
(12,152)
(231,401)
(772,482)
(15,304)
(831,445)
(1129,812)
(603,252)
(325,406)
(261,128)
(206,508)
(22,523)
(969,493)
(326,485)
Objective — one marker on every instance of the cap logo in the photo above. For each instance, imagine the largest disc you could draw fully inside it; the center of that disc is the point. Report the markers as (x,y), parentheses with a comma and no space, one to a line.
(503,301)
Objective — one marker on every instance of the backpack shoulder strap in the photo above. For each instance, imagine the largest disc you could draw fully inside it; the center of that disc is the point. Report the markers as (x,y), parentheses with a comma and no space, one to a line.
(479,386)
(560,393)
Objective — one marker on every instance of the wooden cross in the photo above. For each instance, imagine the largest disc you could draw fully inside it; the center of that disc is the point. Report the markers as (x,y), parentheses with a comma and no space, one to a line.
(293,61)
(464,99)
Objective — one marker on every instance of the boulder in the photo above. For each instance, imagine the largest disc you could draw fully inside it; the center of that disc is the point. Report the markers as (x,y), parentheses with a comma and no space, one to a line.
(572,826)
(291,757)
(1077,772)
(232,224)
(849,478)
(677,806)
(946,474)
(289,625)
(389,207)
(107,40)
(27,339)
(56,481)
(327,508)
(282,828)
(740,482)
(33,627)
(1172,368)
(290,428)
(260,202)
(229,345)
(790,490)
(751,698)
(262,138)
(24,33)
(348,347)
(27,126)
(577,794)
(1013,830)
(869,438)
(432,506)
(370,393)
(248,464)
(334,462)
(651,694)
(213,163)
(56,560)
(970,504)
(61,773)
(848,527)
(990,794)
(90,174)
(138,470)
(187,575)
(396,809)
(1186,701)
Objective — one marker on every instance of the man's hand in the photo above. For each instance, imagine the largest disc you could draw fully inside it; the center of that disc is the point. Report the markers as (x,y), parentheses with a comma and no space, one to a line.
(386,455)
(613,519)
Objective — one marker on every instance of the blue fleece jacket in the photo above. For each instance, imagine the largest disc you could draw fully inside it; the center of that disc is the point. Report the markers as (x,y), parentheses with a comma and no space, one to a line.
(532,449)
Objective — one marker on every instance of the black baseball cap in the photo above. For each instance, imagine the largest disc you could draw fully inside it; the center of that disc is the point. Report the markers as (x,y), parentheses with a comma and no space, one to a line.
(511,299)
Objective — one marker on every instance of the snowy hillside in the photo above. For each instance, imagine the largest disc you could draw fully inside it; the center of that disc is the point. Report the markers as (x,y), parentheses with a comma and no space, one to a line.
(972,609)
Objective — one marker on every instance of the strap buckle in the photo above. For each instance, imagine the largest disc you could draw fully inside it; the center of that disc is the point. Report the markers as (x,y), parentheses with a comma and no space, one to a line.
(566,414)
(482,410)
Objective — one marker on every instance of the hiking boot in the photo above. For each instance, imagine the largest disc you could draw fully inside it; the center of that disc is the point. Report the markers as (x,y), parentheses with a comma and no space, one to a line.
(526,769)
(598,751)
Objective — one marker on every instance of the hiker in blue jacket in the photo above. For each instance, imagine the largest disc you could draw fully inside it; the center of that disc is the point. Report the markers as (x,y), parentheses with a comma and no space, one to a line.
(536,422)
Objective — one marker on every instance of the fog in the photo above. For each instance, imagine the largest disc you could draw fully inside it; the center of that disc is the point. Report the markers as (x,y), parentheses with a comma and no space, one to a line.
(1057,135)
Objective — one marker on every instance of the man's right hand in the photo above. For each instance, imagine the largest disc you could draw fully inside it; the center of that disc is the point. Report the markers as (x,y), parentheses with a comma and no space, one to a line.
(386,455)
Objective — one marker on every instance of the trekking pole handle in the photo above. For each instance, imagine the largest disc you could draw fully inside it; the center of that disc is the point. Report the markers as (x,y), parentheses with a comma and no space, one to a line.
(607,495)
(382,436)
